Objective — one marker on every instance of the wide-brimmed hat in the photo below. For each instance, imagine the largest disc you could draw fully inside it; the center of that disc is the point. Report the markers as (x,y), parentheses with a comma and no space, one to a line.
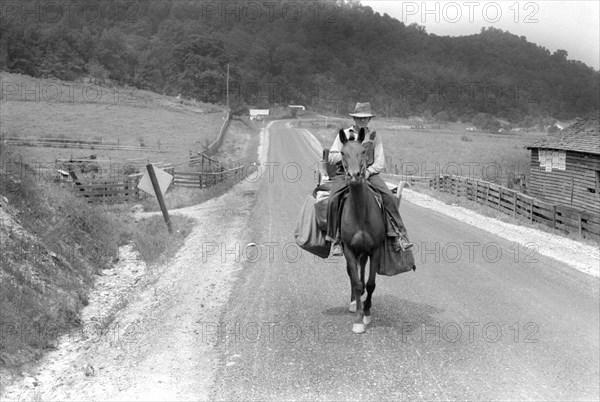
(362,110)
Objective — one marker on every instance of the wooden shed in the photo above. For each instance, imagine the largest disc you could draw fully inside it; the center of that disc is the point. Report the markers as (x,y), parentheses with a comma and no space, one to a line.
(565,166)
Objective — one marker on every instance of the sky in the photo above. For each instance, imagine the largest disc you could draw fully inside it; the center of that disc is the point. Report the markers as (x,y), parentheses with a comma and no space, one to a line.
(570,25)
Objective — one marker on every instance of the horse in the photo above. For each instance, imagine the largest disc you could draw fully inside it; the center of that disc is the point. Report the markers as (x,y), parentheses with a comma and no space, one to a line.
(362,229)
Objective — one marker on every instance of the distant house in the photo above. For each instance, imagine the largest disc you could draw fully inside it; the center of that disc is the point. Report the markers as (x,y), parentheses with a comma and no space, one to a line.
(294,109)
(565,166)
(562,125)
(258,114)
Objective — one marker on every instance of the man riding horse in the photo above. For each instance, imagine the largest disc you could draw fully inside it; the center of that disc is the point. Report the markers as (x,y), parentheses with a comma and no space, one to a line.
(376,161)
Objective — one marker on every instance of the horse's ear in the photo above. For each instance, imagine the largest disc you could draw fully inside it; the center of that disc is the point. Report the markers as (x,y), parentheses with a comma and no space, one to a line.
(372,136)
(343,137)
(361,135)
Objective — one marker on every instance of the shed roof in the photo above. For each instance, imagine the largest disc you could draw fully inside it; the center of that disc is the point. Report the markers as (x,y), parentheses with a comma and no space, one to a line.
(581,136)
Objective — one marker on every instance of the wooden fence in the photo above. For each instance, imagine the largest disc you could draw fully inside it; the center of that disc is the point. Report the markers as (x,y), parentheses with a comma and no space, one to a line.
(112,191)
(205,179)
(204,161)
(508,201)
(121,191)
(109,192)
(559,216)
(214,147)
(75,143)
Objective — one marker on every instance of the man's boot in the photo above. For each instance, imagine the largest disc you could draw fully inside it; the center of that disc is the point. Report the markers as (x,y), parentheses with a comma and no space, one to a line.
(402,243)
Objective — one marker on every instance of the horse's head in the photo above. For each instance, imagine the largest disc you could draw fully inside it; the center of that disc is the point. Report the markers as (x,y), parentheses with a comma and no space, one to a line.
(354,157)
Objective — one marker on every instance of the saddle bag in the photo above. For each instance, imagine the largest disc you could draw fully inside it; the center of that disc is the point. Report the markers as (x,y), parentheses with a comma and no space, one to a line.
(307,233)
(395,262)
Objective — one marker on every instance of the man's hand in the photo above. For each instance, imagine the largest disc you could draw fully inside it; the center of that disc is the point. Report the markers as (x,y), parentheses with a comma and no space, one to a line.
(367,174)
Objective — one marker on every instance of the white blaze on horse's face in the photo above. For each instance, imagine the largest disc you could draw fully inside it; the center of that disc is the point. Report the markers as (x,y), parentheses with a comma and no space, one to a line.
(354,157)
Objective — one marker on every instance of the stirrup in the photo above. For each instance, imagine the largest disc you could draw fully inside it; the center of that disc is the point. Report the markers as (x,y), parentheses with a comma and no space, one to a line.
(337,250)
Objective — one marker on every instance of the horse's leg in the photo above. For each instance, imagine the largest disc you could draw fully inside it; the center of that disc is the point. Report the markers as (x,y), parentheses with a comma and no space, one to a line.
(352,307)
(375,261)
(352,262)
(363,263)
(363,296)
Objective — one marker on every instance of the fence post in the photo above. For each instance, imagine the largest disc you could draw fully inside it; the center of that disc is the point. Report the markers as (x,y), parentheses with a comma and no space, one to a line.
(531,211)
(499,197)
(554,216)
(580,223)
(487,193)
(515,204)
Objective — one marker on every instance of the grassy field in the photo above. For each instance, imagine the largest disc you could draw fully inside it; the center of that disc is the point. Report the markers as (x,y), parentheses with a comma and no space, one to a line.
(34,107)
(451,149)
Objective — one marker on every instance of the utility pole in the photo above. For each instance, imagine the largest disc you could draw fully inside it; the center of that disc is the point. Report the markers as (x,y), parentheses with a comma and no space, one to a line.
(227,85)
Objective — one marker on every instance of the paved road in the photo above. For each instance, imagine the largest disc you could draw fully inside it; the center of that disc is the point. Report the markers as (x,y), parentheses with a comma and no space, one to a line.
(481,318)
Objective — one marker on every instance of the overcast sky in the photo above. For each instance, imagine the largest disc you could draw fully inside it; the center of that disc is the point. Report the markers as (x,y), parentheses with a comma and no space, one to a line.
(570,25)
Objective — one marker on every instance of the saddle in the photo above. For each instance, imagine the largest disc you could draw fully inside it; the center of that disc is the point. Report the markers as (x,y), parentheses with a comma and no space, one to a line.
(321,194)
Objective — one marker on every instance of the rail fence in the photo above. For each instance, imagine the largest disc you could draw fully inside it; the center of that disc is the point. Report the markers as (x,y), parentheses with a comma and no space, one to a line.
(211,172)
(511,202)
(75,143)
(115,190)
(207,179)
(214,147)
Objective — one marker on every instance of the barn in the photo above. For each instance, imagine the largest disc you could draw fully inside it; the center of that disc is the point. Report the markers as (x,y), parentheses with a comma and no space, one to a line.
(565,166)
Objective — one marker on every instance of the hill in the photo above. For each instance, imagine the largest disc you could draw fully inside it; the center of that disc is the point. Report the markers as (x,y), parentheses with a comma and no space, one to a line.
(323,54)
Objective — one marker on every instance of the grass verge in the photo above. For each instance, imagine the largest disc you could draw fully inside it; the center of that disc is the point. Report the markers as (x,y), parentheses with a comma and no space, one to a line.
(53,245)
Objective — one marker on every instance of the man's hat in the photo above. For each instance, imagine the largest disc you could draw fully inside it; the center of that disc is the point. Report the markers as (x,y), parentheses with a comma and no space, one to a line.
(362,110)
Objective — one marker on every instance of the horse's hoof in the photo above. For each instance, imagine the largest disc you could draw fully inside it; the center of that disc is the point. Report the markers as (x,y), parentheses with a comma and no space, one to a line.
(358,328)
(367,319)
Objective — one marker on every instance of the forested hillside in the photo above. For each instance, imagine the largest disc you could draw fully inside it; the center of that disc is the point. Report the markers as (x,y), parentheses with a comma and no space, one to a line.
(323,54)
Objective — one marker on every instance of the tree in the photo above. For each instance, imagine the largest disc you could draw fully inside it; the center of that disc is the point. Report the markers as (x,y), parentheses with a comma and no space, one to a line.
(442,117)
(98,73)
(485,121)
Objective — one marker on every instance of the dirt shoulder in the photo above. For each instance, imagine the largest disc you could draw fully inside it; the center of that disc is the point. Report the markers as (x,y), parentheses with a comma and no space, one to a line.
(154,345)
(154,348)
